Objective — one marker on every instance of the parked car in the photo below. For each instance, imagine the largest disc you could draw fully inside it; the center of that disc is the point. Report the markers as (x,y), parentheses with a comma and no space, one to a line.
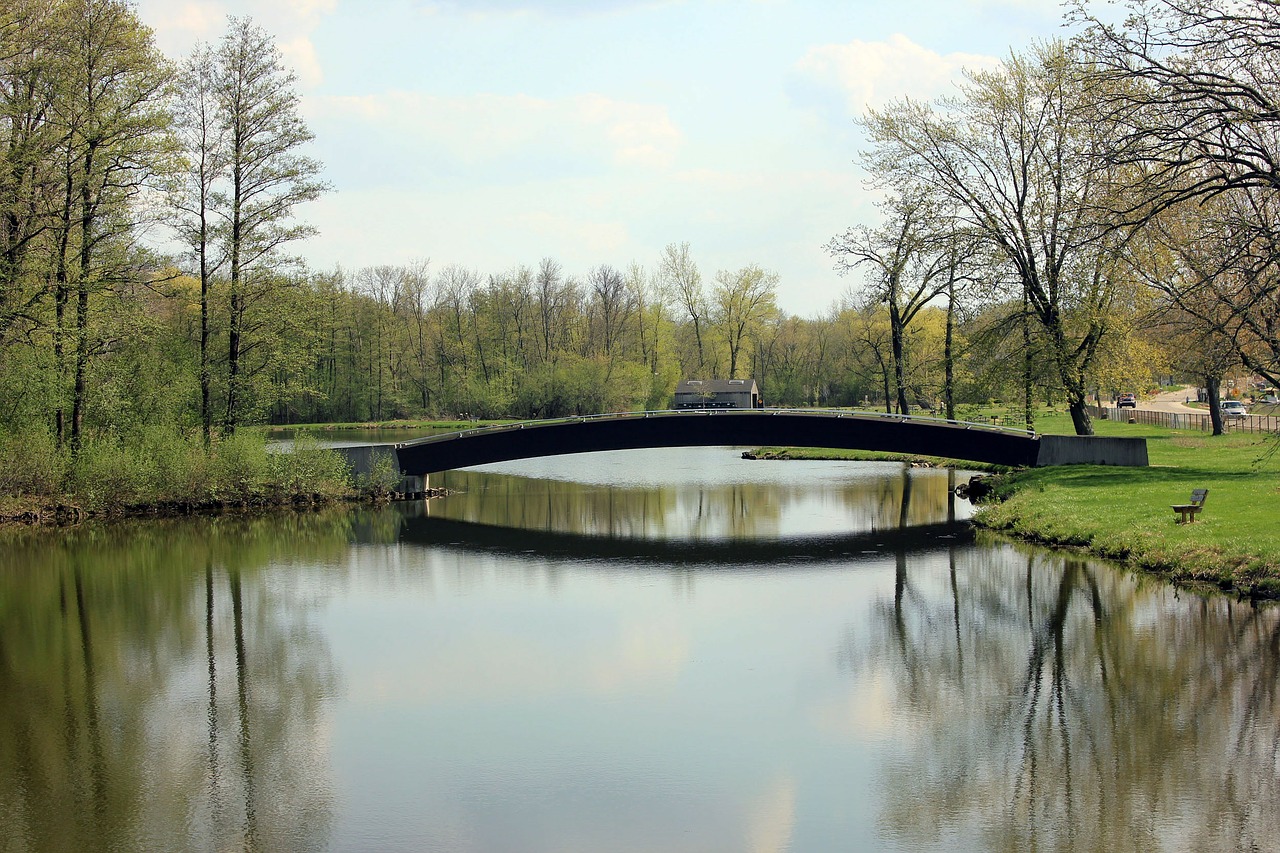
(1232,409)
(1130,400)
(1271,399)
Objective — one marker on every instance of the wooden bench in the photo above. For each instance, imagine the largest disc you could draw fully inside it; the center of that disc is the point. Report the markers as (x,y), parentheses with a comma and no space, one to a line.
(1188,511)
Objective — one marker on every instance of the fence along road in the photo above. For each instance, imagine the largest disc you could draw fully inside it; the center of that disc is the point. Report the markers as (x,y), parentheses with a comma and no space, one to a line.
(1167,410)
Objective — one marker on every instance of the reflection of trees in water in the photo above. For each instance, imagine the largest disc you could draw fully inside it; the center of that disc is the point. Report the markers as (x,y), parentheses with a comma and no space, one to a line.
(1054,706)
(144,709)
(739,510)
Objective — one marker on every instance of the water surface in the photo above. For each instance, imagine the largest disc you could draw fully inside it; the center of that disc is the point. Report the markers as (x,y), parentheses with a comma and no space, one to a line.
(641,651)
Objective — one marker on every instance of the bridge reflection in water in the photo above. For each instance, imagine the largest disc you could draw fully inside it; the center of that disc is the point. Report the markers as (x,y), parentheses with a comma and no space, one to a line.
(761,427)
(693,514)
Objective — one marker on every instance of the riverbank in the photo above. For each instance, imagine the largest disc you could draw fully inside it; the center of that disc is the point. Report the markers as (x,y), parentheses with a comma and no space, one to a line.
(1125,514)
(162,474)
(818,454)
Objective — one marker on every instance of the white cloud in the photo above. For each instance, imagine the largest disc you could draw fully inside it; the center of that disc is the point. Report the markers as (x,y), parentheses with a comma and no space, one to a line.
(179,25)
(299,54)
(492,128)
(870,74)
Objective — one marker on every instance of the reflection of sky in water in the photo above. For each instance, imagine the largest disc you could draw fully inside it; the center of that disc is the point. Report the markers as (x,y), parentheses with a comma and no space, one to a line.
(681,466)
(698,493)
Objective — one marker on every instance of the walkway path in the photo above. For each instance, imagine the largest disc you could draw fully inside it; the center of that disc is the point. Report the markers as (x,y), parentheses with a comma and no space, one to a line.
(1172,401)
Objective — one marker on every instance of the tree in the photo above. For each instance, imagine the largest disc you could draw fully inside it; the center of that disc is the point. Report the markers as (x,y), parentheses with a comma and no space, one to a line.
(1017,154)
(744,300)
(29,179)
(1214,269)
(1193,93)
(679,274)
(912,259)
(612,307)
(203,140)
(115,140)
(268,177)
(1195,100)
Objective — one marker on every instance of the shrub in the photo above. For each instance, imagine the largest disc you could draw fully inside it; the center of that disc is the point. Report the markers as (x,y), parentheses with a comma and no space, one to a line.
(31,464)
(308,469)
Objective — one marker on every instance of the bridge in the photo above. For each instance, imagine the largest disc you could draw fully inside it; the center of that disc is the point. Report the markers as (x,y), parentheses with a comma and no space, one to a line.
(914,435)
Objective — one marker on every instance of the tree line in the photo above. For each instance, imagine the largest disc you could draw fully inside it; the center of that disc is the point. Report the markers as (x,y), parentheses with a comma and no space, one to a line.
(1087,215)
(1115,192)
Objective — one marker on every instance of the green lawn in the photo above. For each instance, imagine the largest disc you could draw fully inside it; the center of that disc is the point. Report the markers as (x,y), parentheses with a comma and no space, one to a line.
(1125,512)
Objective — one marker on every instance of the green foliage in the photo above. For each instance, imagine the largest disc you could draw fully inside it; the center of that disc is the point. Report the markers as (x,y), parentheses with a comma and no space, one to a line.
(307,469)
(30,464)
(383,476)
(158,466)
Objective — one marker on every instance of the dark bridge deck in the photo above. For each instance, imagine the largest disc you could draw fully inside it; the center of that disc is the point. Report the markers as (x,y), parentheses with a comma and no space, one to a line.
(759,427)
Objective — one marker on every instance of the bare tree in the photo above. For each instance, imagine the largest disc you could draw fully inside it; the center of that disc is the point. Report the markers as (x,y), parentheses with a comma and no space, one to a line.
(680,275)
(1193,93)
(612,306)
(201,134)
(911,263)
(1017,156)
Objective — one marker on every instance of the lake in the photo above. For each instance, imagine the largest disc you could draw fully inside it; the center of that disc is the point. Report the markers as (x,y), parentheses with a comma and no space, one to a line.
(658,650)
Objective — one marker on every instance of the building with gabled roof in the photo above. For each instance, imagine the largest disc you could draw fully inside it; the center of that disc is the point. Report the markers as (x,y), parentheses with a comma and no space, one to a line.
(717,394)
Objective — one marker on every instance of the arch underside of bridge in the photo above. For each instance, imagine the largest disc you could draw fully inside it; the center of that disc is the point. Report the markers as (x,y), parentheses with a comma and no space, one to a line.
(744,428)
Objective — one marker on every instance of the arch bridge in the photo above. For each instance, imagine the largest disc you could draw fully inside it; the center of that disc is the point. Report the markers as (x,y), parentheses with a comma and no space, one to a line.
(923,436)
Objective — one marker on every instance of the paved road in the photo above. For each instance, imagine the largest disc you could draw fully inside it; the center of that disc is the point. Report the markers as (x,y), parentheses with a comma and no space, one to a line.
(1171,401)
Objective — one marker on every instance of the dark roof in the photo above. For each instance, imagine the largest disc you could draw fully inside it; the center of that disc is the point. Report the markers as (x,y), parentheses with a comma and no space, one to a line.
(716,386)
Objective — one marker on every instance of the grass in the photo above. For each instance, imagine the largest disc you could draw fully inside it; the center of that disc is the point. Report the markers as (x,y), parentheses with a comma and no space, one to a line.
(1124,513)
(372,425)
(162,472)
(840,454)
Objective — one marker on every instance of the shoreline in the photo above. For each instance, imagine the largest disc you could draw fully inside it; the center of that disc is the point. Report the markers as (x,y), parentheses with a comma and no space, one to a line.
(70,514)
(1123,518)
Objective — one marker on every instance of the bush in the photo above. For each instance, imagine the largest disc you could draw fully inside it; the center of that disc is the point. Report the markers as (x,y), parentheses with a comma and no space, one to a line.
(161,466)
(239,467)
(31,464)
(105,473)
(308,469)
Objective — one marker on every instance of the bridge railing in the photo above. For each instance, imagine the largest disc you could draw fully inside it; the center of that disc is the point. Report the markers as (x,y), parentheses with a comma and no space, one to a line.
(838,413)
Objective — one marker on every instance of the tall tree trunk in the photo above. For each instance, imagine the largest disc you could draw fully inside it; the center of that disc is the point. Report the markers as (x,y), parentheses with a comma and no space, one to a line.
(1028,364)
(206,414)
(896,334)
(87,210)
(948,354)
(1213,389)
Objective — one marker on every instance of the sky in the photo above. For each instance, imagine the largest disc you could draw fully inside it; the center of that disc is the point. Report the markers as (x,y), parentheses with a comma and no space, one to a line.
(491,134)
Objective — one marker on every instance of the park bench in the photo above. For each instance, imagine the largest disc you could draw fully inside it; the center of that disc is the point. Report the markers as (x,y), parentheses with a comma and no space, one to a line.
(1188,511)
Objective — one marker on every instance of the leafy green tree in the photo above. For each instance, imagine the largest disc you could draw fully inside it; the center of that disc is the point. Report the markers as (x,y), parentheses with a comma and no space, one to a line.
(744,300)
(111,111)
(268,177)
(194,195)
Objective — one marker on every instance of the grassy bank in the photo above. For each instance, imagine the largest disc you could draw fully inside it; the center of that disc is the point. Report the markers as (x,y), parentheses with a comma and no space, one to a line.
(165,473)
(320,429)
(1124,513)
(840,455)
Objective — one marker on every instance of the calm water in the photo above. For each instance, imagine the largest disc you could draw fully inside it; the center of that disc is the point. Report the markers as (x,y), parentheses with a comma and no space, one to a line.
(645,651)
